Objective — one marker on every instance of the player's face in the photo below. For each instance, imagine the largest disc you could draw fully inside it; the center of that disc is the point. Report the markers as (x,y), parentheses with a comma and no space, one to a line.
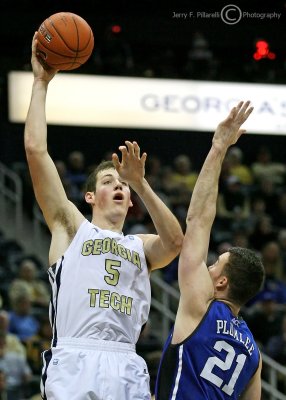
(216,270)
(111,190)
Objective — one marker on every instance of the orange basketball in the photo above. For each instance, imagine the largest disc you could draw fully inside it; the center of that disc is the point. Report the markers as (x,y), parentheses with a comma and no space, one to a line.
(65,41)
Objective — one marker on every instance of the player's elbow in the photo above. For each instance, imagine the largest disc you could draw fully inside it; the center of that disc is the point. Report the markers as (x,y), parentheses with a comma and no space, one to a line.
(176,243)
(32,147)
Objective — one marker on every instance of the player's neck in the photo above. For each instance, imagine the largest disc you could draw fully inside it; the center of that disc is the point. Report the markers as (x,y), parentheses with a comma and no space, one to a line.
(234,308)
(108,224)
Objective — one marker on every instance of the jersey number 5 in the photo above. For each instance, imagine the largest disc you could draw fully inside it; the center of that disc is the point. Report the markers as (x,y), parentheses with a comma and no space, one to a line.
(111,268)
(225,365)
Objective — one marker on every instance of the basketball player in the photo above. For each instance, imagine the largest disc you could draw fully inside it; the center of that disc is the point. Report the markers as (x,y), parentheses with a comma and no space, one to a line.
(99,277)
(210,353)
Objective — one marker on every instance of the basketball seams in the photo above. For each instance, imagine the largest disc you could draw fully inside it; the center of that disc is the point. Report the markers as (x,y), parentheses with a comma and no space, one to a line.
(88,42)
(43,44)
(59,35)
(77,35)
(89,39)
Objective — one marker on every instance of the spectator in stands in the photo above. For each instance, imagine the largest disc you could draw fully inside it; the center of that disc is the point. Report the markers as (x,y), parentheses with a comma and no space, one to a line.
(268,192)
(12,341)
(276,345)
(279,212)
(272,260)
(17,371)
(3,385)
(237,168)
(154,171)
(179,183)
(70,189)
(38,343)
(262,233)
(76,175)
(265,320)
(225,174)
(264,167)
(276,349)
(257,211)
(29,284)
(200,60)
(183,176)
(21,320)
(233,207)
(240,239)
(137,213)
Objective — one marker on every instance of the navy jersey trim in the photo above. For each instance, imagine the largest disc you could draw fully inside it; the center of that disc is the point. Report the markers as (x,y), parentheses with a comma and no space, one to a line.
(54,306)
(47,356)
(168,379)
(195,330)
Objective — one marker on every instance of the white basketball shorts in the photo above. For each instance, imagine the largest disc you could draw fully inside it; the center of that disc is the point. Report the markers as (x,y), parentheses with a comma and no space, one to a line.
(87,369)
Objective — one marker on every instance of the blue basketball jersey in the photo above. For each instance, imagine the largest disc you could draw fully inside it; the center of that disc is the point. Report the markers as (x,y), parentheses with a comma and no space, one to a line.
(215,362)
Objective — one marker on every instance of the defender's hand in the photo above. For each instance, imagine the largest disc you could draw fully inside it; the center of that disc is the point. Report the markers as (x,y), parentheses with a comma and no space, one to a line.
(228,131)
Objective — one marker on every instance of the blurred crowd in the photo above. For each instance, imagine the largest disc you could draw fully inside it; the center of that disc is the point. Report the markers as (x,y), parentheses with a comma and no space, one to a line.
(200,60)
(203,58)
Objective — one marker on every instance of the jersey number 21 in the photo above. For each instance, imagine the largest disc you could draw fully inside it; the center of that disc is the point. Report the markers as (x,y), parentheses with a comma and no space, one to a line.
(224,366)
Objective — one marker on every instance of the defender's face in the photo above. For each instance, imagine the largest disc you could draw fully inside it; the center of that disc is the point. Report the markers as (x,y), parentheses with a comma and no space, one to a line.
(216,270)
(111,191)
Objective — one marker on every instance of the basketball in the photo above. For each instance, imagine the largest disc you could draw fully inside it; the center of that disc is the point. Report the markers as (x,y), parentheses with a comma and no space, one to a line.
(65,41)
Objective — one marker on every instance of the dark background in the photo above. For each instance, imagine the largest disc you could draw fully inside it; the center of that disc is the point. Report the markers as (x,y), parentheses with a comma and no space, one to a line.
(149,29)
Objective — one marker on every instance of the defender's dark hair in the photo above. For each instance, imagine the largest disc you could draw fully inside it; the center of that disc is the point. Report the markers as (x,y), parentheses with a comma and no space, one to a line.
(245,273)
(92,178)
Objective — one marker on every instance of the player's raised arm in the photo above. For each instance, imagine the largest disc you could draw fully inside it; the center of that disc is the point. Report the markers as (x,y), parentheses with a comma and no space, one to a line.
(207,321)
(195,283)
(47,185)
(159,249)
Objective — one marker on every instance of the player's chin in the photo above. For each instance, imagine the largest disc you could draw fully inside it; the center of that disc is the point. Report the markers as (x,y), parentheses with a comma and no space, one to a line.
(119,206)
(118,213)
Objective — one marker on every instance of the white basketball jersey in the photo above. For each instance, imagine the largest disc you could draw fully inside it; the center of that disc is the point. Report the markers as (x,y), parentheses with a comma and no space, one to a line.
(100,287)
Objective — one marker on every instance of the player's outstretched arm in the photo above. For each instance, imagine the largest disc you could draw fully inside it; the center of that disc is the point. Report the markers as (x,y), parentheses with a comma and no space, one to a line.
(160,249)
(47,185)
(194,280)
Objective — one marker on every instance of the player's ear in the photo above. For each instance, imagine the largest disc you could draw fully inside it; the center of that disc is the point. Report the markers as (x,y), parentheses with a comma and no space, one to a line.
(130,203)
(222,282)
(89,197)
